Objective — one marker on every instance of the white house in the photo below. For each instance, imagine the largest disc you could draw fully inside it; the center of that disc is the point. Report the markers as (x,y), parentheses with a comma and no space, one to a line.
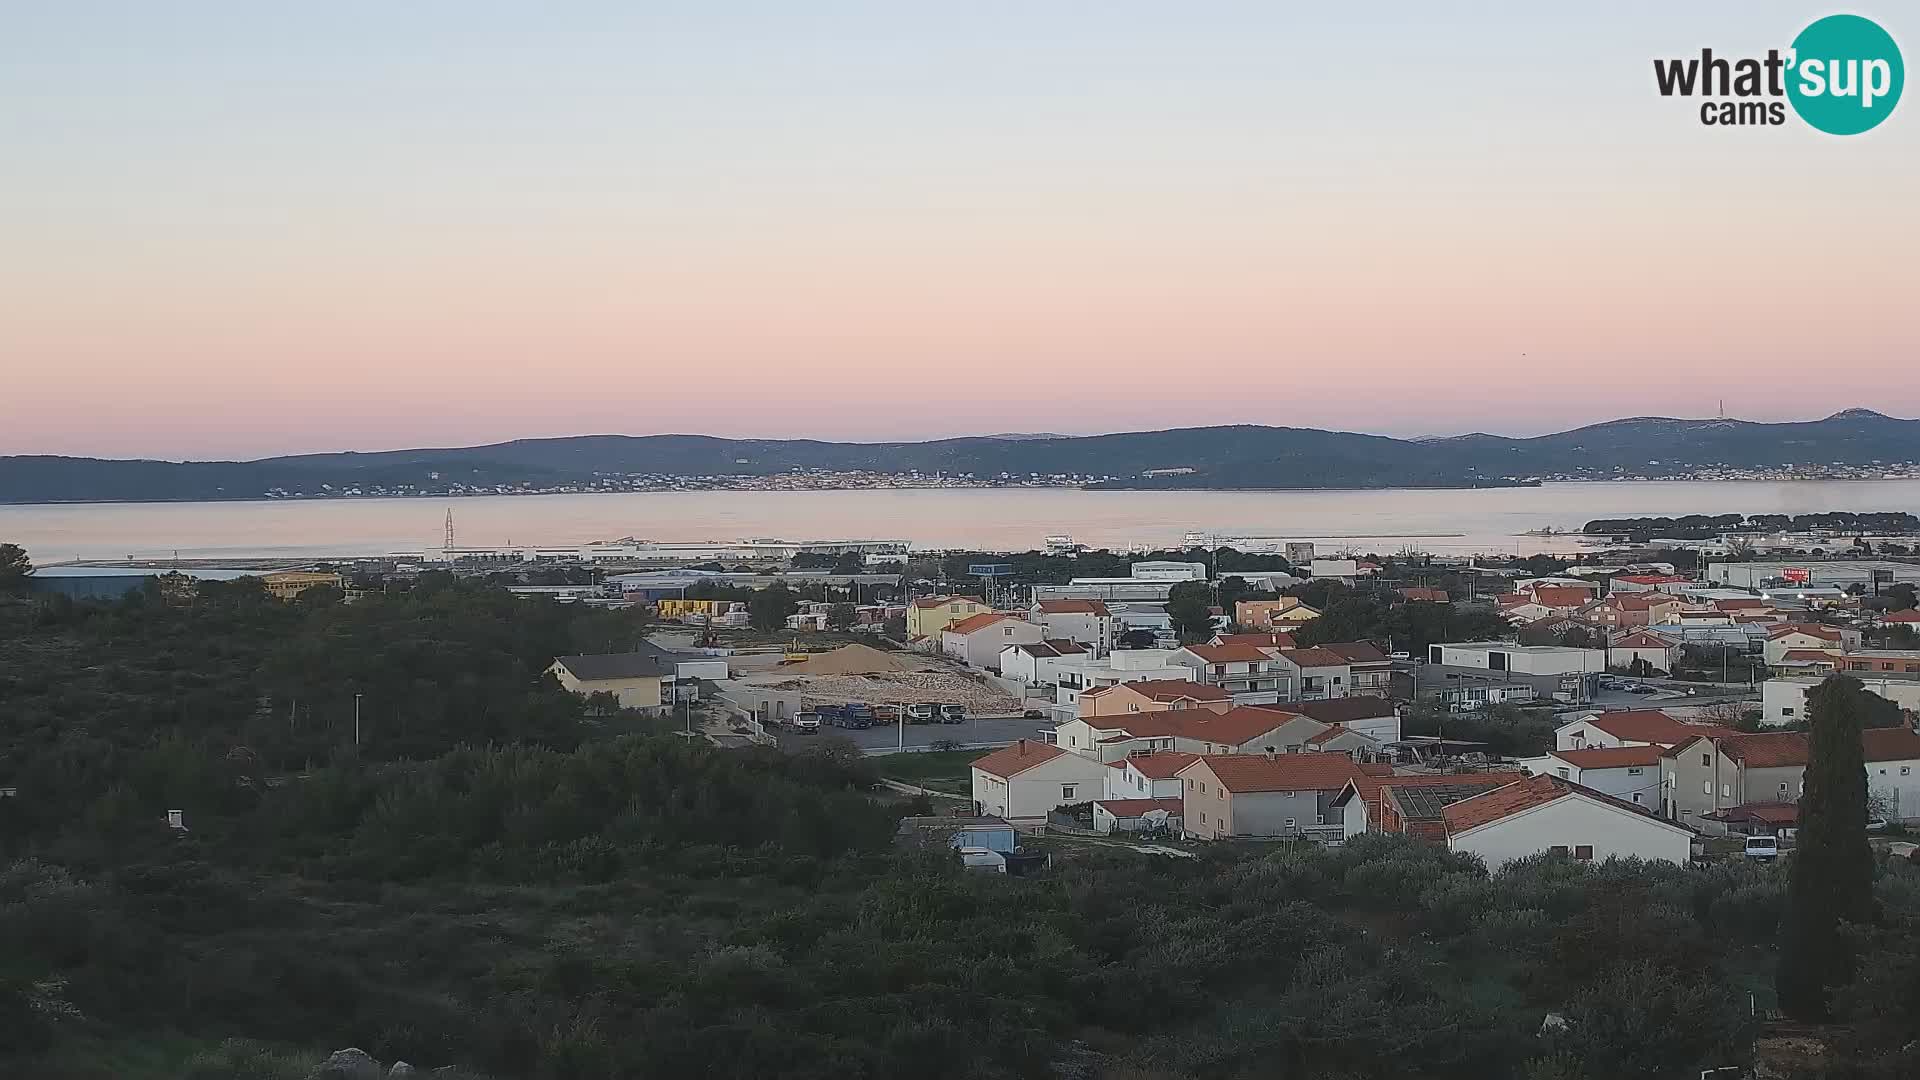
(1790,636)
(1032,664)
(1546,813)
(1088,622)
(1254,676)
(976,641)
(1784,701)
(1025,781)
(1628,727)
(1630,649)
(1074,675)
(1146,776)
(1628,773)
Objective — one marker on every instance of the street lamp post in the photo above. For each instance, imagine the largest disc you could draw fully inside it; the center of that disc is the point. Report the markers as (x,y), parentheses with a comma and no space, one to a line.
(356,721)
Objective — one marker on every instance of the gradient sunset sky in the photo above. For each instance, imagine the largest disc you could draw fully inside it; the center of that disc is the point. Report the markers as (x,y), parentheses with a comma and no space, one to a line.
(237,229)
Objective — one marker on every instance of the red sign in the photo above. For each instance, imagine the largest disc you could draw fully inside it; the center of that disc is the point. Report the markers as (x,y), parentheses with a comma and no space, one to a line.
(1797,574)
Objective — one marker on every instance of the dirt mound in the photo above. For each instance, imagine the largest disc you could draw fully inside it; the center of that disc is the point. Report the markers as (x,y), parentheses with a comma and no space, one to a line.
(853,660)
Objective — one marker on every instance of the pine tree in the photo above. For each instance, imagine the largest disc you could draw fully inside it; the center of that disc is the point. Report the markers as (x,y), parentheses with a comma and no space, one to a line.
(1831,878)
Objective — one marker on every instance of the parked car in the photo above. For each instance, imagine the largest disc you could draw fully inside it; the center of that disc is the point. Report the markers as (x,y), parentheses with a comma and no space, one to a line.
(1399,656)
(1876,824)
(1763,848)
(1034,714)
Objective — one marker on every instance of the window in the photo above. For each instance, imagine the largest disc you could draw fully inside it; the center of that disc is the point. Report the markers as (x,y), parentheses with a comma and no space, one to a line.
(1558,849)
(1635,770)
(1906,770)
(1203,817)
(1564,774)
(1583,852)
(1706,787)
(1636,796)
(1786,710)
(1706,760)
(1726,791)
(1066,792)
(1290,823)
(1783,787)
(1189,784)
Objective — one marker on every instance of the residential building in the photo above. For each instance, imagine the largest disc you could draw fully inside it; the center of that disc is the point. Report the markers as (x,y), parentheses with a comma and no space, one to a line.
(1629,727)
(1026,781)
(1629,651)
(1266,639)
(1323,673)
(929,615)
(1863,662)
(1706,777)
(1634,609)
(1030,663)
(1241,730)
(1808,636)
(1152,695)
(1146,776)
(1282,614)
(637,680)
(1468,689)
(1376,718)
(1077,675)
(1369,669)
(1251,675)
(1908,617)
(1629,773)
(1088,622)
(1362,806)
(1416,595)
(1783,701)
(287,584)
(1262,795)
(977,640)
(1546,813)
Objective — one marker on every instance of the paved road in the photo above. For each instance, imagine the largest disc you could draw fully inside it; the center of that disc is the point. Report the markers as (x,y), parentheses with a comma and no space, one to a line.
(880,740)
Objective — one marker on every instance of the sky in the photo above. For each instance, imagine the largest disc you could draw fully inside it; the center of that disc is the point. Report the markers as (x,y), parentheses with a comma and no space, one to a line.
(236,229)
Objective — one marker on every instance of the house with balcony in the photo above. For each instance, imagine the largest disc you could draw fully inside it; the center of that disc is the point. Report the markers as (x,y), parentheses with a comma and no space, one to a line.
(1369,671)
(1322,672)
(1087,622)
(1252,675)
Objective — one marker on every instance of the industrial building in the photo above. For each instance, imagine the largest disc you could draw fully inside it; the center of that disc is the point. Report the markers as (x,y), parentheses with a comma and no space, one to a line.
(1832,573)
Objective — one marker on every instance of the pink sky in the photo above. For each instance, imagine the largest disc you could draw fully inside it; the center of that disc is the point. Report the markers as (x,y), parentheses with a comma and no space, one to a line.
(255,239)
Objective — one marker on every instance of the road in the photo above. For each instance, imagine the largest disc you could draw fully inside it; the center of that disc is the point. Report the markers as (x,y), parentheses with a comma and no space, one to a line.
(882,740)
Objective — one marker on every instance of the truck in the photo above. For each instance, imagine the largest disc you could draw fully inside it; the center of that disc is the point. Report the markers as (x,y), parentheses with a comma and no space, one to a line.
(953,714)
(924,712)
(853,716)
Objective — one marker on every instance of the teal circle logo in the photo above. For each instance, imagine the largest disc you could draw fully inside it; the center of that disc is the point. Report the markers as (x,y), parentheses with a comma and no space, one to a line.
(1846,74)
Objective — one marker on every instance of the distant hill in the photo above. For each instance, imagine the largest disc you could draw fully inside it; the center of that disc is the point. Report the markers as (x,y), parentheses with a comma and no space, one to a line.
(1239,456)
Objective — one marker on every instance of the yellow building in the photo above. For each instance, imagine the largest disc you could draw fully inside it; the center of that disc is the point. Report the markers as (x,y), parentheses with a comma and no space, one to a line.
(680,609)
(1282,614)
(288,584)
(636,680)
(930,615)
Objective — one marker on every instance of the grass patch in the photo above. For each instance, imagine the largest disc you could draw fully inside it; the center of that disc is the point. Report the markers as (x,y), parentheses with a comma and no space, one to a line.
(932,765)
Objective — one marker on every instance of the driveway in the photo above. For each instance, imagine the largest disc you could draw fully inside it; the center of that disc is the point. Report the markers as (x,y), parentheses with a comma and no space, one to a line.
(884,740)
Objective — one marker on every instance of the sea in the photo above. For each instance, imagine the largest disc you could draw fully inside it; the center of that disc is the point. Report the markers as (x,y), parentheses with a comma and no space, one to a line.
(1386,521)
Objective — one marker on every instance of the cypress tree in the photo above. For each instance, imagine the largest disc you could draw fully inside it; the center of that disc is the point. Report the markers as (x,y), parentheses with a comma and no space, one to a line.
(1831,877)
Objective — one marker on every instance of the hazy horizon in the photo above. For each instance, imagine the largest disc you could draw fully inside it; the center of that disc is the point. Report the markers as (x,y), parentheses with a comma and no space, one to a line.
(239,231)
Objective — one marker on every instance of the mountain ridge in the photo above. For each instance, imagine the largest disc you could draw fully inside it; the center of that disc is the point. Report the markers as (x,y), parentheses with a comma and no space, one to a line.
(1225,456)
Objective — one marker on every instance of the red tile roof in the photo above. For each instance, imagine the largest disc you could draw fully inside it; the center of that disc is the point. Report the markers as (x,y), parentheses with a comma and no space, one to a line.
(1891,744)
(1010,761)
(1639,601)
(1611,757)
(1743,604)
(1512,599)
(1644,725)
(1910,615)
(1436,596)
(1073,607)
(1228,654)
(1642,639)
(1333,732)
(1356,652)
(1242,773)
(1824,633)
(1231,728)
(1561,596)
(1524,795)
(1133,808)
(1767,750)
(972,623)
(1051,647)
(1161,765)
(1653,579)
(1343,710)
(1164,690)
(943,601)
(1315,657)
(1813,655)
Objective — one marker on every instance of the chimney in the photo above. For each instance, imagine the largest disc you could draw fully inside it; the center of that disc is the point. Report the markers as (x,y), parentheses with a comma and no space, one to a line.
(176,819)
(1023,748)
(1270,753)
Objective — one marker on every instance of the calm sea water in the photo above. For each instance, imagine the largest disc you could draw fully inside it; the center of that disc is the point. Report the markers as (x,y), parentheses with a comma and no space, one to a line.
(1491,520)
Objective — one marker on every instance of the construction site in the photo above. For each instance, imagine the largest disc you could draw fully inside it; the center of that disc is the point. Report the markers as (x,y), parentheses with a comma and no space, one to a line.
(862,674)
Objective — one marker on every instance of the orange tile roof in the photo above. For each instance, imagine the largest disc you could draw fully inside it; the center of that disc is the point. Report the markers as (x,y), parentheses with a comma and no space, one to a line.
(1242,773)
(1643,725)
(1010,761)
(1815,655)
(1315,657)
(1344,710)
(1166,690)
(943,601)
(1824,633)
(1643,639)
(1161,765)
(1356,652)
(1561,596)
(977,622)
(1767,750)
(1653,579)
(1230,728)
(1891,744)
(1073,607)
(1611,757)
(1744,604)
(1133,808)
(1910,615)
(1438,596)
(1503,802)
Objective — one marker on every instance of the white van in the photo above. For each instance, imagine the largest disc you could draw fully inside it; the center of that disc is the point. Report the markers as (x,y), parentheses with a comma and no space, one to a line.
(1764,848)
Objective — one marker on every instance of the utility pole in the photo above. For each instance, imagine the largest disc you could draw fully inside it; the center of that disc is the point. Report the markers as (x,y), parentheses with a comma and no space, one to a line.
(356,721)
